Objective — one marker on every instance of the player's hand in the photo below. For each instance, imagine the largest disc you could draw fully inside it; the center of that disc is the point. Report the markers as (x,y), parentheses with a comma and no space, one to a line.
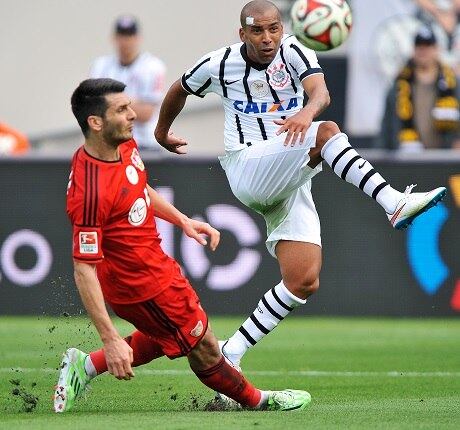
(296,127)
(173,143)
(194,229)
(119,356)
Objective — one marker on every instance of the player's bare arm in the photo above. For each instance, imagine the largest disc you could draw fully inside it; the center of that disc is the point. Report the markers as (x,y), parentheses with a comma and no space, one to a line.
(192,228)
(119,354)
(298,124)
(172,105)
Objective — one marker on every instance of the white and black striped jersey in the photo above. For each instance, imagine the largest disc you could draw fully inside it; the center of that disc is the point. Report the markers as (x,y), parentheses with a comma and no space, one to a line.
(253,94)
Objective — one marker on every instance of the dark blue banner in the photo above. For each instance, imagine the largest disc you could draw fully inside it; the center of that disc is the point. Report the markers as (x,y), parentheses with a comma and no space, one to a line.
(368,268)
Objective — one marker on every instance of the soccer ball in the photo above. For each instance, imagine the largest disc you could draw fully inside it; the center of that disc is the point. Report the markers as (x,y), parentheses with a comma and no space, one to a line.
(321,24)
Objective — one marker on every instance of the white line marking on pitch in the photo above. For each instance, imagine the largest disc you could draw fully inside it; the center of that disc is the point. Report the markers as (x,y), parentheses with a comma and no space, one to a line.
(321,373)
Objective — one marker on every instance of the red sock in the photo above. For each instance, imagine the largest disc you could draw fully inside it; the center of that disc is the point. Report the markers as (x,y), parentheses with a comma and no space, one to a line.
(145,349)
(227,380)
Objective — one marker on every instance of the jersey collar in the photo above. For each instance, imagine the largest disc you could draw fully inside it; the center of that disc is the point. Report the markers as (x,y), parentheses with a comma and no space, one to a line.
(120,160)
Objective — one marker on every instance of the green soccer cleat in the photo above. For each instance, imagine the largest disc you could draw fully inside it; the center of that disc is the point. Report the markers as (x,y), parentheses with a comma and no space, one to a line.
(288,400)
(73,380)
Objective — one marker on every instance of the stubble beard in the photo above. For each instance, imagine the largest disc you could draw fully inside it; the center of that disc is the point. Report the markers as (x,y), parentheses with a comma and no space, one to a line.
(113,138)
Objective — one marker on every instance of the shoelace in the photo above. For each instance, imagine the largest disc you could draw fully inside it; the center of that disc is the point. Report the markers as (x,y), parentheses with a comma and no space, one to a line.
(409,189)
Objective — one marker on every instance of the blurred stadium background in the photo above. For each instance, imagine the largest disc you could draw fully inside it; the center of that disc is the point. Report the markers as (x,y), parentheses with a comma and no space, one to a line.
(46,48)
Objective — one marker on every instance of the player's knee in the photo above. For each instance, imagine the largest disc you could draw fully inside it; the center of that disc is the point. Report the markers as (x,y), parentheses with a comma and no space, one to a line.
(307,286)
(311,287)
(206,353)
(326,130)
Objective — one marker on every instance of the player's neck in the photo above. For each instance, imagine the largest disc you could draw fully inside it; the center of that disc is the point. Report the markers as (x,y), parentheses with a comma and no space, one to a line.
(99,149)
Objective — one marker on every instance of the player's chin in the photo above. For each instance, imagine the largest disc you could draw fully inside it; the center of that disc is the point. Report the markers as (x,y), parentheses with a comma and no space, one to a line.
(267,57)
(122,138)
(128,135)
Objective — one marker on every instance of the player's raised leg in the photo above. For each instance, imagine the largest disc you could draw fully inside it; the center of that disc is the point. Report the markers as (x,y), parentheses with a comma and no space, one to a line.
(78,368)
(401,208)
(300,279)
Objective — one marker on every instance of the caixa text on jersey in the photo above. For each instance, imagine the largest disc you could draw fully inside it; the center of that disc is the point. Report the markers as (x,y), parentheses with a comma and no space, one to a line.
(264,107)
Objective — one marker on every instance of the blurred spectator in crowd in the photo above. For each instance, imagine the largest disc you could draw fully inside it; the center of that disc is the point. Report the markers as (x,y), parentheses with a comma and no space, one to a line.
(446,15)
(143,75)
(12,141)
(422,107)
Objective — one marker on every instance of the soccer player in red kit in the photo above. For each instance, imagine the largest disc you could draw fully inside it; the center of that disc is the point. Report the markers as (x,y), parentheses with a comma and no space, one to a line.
(118,260)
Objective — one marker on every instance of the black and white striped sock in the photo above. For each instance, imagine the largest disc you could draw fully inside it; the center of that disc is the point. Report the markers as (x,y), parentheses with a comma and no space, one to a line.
(350,166)
(272,308)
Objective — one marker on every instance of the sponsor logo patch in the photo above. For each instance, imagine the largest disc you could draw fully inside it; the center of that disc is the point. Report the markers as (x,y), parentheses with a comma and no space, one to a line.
(265,107)
(197,330)
(132,175)
(138,212)
(259,89)
(88,242)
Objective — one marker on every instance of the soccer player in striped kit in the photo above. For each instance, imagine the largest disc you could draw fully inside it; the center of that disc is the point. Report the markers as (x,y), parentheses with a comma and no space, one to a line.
(274,148)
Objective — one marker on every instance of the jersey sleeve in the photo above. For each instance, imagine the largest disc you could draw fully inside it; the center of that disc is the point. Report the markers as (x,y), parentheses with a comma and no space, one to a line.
(197,80)
(85,214)
(152,86)
(302,59)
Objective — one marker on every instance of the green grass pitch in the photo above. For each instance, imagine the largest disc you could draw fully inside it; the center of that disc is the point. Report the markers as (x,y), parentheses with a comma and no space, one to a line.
(362,373)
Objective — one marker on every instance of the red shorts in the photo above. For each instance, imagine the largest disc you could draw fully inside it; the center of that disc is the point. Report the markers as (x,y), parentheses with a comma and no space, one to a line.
(174,318)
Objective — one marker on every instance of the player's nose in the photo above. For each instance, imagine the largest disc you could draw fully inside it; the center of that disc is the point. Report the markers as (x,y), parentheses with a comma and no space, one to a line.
(132,115)
(266,37)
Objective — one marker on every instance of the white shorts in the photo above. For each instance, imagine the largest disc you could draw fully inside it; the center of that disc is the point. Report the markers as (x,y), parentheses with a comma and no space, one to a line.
(275,181)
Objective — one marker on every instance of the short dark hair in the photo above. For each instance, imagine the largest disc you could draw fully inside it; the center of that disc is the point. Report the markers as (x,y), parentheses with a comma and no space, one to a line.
(425,36)
(89,99)
(126,25)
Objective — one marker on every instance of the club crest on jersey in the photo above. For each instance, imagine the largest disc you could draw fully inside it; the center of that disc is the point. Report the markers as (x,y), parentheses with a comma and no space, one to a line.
(264,107)
(197,330)
(259,89)
(138,212)
(88,242)
(278,75)
(137,160)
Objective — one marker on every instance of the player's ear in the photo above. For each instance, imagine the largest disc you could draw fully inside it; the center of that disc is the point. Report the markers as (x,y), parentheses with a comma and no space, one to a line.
(242,35)
(95,123)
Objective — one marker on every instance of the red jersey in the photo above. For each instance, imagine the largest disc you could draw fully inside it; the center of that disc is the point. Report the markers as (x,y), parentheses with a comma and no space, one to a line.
(114,226)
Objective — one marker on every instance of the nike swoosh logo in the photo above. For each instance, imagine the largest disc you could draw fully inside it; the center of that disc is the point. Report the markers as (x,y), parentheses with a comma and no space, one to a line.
(395,215)
(231,82)
(362,165)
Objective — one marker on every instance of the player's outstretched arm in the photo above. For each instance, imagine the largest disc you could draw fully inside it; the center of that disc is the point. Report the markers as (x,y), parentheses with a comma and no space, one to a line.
(192,228)
(297,125)
(118,353)
(172,105)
